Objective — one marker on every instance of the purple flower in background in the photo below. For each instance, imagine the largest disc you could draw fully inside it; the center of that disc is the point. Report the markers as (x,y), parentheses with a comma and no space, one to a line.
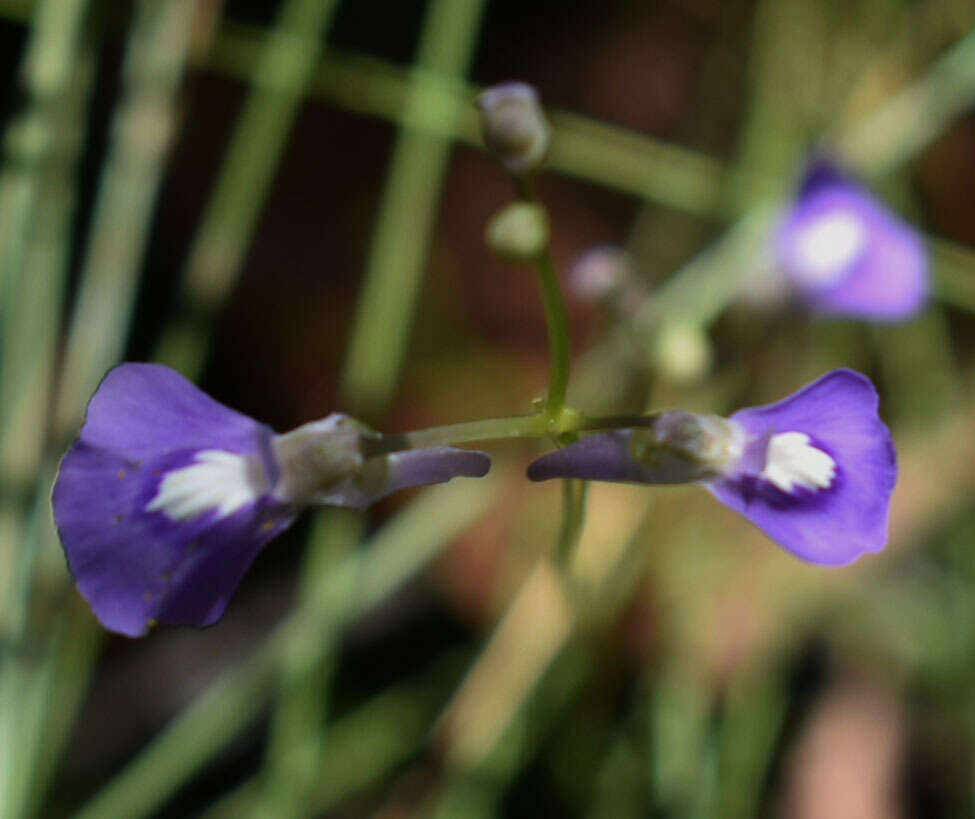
(167,496)
(847,255)
(815,471)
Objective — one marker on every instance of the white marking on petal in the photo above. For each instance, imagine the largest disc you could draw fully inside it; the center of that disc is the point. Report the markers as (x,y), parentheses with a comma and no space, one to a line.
(825,248)
(791,461)
(219,481)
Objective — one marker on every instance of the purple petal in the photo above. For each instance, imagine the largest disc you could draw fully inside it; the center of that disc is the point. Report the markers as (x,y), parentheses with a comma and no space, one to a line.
(132,562)
(848,255)
(141,410)
(135,566)
(834,525)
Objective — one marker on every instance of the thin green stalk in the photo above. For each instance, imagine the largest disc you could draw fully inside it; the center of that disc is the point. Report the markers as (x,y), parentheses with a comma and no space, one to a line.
(400,244)
(528,426)
(556,320)
(558,334)
(573,516)
(519,426)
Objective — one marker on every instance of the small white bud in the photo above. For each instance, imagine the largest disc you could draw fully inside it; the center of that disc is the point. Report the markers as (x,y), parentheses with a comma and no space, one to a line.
(514,126)
(682,351)
(519,232)
(600,273)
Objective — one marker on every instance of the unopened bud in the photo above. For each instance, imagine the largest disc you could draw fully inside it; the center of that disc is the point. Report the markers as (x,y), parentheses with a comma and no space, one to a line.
(514,126)
(519,232)
(682,351)
(600,272)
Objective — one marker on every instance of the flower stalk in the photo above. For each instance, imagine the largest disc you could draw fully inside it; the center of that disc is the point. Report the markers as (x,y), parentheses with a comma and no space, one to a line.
(558,335)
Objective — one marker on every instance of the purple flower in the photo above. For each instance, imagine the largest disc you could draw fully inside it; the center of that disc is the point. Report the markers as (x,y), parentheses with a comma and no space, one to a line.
(167,496)
(814,472)
(847,255)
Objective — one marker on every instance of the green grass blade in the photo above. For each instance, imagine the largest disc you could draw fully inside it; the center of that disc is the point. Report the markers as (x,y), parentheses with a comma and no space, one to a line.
(408,211)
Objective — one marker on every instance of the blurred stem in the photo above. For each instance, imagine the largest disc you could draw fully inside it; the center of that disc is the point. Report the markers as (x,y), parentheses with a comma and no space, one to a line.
(784,77)
(754,712)
(37,194)
(573,516)
(914,116)
(53,678)
(364,746)
(625,161)
(143,128)
(604,154)
(537,627)
(279,74)
(478,791)
(298,733)
(37,201)
(400,244)
(37,204)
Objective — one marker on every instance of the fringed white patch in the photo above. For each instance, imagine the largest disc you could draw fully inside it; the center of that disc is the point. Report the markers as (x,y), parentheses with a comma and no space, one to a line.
(825,248)
(219,481)
(791,461)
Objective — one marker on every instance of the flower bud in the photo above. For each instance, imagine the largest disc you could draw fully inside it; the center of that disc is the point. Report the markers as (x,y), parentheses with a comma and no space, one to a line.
(682,351)
(519,232)
(514,126)
(600,273)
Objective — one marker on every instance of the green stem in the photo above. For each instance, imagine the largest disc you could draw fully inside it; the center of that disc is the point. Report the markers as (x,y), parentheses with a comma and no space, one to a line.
(555,315)
(558,334)
(528,426)
(540,425)
(573,515)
